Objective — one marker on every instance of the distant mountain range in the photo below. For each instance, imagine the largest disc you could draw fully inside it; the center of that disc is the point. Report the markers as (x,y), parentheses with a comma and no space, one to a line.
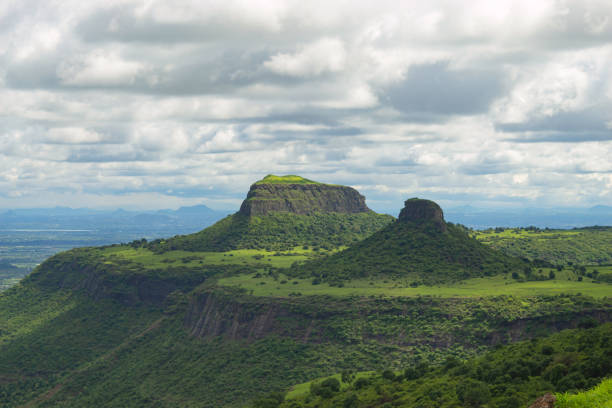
(480,218)
(193,218)
(172,222)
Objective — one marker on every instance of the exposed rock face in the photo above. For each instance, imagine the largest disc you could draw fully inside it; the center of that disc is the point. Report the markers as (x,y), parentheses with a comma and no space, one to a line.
(421,211)
(215,314)
(302,199)
(546,401)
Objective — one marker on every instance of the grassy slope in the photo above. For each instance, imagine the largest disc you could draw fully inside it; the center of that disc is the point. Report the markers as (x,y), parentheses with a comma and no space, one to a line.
(419,252)
(282,285)
(585,246)
(47,336)
(509,377)
(278,231)
(598,397)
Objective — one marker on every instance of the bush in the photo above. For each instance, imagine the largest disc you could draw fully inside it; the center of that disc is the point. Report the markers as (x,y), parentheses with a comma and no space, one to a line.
(388,375)
(473,393)
(361,383)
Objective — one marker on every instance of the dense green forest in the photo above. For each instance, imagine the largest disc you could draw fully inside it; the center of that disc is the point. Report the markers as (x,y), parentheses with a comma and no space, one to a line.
(509,377)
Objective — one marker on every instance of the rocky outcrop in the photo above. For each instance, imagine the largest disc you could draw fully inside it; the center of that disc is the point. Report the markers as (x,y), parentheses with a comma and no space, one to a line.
(233,316)
(306,199)
(421,211)
(211,315)
(546,401)
(74,270)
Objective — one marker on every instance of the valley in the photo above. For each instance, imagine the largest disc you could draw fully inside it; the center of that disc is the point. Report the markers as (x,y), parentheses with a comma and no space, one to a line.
(305,282)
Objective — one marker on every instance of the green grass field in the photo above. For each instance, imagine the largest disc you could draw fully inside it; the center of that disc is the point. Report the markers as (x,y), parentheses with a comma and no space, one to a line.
(598,397)
(247,257)
(583,246)
(283,286)
(289,179)
(299,390)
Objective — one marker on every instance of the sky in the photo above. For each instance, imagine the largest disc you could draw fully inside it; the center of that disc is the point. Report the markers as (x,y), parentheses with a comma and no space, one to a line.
(158,104)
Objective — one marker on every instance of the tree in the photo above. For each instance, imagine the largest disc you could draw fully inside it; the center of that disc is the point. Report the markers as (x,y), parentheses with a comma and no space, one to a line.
(388,375)
(473,393)
(551,275)
(347,376)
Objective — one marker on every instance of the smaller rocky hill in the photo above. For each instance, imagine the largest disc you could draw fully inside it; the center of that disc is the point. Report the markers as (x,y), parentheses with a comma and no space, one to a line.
(283,212)
(420,246)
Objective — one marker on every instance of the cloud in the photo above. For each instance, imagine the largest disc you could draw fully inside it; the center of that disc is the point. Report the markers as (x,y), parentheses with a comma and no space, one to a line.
(323,56)
(439,89)
(99,68)
(197,99)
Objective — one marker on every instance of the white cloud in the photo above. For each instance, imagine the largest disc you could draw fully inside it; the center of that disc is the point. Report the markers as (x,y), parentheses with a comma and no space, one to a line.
(73,135)
(323,56)
(130,98)
(99,68)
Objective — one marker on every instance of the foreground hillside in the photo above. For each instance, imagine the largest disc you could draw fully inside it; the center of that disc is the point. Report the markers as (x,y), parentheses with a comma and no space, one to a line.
(215,319)
(510,377)
(599,396)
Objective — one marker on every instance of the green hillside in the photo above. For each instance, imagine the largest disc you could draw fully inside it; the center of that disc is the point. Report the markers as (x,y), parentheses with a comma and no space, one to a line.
(600,397)
(581,246)
(511,377)
(278,231)
(280,213)
(419,245)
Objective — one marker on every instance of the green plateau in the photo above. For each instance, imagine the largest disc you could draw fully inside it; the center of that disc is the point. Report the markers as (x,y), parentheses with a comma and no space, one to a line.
(303,283)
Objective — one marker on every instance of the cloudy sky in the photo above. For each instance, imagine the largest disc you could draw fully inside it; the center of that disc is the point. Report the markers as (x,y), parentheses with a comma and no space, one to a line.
(156,104)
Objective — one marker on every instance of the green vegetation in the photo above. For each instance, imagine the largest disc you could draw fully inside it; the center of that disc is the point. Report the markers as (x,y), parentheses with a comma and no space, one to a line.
(114,352)
(509,377)
(282,285)
(289,179)
(581,246)
(257,303)
(10,274)
(598,397)
(46,336)
(278,231)
(420,252)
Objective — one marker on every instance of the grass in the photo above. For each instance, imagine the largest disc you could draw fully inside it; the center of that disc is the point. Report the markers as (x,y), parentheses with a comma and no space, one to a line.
(284,286)
(598,397)
(289,179)
(247,257)
(584,246)
(302,389)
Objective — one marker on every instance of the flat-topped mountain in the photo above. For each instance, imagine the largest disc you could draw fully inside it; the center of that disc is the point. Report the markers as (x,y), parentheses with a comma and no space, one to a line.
(298,195)
(419,246)
(283,212)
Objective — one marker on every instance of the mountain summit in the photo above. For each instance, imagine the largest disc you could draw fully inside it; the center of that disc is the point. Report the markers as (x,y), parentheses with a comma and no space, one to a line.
(419,211)
(284,212)
(298,195)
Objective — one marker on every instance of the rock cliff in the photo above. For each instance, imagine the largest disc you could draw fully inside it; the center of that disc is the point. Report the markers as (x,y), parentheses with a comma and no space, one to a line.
(302,198)
(421,211)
